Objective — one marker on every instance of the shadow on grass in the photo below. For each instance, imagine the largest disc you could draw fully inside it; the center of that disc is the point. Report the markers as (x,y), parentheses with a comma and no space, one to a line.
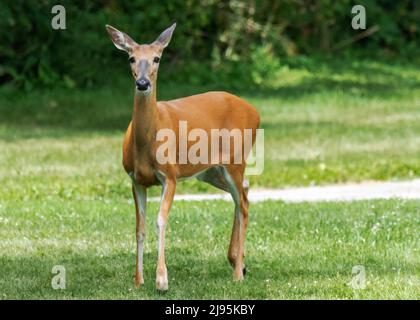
(62,112)
(93,276)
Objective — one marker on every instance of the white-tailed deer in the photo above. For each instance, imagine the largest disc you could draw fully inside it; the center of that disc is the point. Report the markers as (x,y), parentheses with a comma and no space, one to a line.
(208,111)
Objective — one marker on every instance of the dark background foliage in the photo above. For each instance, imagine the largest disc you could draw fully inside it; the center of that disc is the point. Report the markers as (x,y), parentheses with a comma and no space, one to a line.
(237,42)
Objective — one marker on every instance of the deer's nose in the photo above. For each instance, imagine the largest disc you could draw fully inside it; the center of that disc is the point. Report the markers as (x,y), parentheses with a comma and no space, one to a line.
(142,84)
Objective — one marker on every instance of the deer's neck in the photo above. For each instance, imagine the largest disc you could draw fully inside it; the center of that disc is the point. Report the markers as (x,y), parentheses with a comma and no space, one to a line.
(145,120)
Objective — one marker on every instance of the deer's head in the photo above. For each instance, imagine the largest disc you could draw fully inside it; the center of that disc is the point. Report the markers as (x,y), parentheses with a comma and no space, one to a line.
(144,59)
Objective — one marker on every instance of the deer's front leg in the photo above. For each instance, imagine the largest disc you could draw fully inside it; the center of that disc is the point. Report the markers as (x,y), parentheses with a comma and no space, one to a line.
(140,198)
(168,193)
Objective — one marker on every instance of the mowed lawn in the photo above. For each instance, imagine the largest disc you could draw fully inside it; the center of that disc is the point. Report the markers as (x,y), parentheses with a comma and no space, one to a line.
(293,251)
(326,123)
(65,200)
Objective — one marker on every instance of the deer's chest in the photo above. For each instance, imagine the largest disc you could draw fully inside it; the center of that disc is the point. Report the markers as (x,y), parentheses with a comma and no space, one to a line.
(144,174)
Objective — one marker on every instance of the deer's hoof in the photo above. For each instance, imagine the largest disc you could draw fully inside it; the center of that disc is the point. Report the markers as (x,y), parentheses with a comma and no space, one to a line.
(238,275)
(138,280)
(162,283)
(138,283)
(238,278)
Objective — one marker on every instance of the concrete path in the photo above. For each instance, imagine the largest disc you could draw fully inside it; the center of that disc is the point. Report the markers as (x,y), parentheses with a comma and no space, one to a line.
(343,192)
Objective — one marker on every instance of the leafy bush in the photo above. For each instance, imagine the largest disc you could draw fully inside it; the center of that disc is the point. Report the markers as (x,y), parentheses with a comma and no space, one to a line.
(237,42)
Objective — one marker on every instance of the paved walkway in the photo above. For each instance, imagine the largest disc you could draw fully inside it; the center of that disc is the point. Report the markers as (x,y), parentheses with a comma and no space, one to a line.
(343,192)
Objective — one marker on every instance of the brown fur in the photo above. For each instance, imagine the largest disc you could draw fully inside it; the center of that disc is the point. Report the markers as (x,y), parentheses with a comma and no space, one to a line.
(212,110)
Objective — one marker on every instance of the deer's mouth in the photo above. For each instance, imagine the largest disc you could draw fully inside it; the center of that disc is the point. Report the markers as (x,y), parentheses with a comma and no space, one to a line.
(147,91)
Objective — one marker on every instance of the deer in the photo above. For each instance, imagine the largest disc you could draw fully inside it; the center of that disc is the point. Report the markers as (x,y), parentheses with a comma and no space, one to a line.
(206,111)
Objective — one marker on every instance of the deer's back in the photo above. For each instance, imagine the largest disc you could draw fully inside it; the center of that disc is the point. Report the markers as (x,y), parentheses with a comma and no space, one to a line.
(211,110)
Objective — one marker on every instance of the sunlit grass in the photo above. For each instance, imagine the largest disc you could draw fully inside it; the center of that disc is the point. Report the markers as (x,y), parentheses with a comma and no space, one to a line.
(324,123)
(65,199)
(299,251)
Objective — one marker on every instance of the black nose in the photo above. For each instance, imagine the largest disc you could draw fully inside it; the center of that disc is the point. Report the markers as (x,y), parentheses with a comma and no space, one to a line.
(142,84)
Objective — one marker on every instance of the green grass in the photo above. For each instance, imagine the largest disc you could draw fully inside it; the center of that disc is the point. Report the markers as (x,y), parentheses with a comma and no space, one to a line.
(324,123)
(65,199)
(294,251)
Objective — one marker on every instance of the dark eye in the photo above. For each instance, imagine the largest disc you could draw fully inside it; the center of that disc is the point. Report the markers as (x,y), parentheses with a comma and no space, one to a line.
(156,60)
(132,59)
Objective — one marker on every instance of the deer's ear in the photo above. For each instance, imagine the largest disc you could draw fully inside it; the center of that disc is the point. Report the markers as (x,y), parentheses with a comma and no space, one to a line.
(121,40)
(165,37)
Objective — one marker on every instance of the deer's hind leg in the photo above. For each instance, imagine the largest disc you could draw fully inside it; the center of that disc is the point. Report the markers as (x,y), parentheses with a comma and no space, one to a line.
(234,175)
(231,179)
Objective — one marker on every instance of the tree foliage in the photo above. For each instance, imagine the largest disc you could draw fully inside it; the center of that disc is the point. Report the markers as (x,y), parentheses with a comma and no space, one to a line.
(239,41)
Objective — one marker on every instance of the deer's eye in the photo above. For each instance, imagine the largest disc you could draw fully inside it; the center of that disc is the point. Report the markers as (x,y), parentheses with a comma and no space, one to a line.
(156,60)
(132,59)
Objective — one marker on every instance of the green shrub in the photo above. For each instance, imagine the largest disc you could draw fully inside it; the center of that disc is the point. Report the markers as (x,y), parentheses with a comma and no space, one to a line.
(237,42)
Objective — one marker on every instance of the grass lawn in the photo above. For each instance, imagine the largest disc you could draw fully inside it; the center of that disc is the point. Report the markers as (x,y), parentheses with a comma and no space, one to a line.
(64,198)
(326,122)
(294,251)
